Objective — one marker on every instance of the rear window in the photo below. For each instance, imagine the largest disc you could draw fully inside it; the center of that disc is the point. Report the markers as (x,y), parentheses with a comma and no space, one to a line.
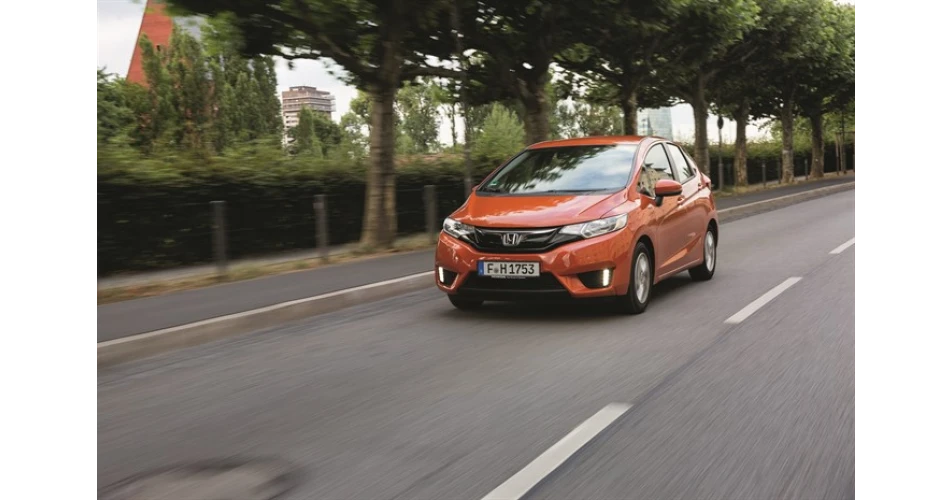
(570,169)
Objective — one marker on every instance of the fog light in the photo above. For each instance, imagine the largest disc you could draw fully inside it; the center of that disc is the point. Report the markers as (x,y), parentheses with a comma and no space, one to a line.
(601,278)
(445,276)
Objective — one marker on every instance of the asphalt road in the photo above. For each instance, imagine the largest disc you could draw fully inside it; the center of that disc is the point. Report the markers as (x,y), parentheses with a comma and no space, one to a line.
(132,317)
(408,398)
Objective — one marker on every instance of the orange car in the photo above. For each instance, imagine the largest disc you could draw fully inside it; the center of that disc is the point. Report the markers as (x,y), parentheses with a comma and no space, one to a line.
(581,218)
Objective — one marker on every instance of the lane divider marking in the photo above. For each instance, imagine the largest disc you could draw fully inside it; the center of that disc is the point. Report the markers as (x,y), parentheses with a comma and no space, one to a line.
(761,301)
(843,247)
(518,485)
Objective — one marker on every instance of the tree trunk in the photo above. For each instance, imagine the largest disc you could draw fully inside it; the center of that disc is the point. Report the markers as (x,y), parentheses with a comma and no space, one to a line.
(464,104)
(629,107)
(701,147)
(453,123)
(837,148)
(380,223)
(816,123)
(740,145)
(786,122)
(537,114)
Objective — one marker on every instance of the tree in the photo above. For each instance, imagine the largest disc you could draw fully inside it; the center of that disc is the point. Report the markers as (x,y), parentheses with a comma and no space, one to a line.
(798,32)
(157,118)
(302,135)
(741,81)
(706,34)
(418,107)
(829,85)
(586,120)
(191,91)
(616,59)
(379,44)
(113,116)
(501,136)
(328,132)
(266,78)
(514,44)
(353,143)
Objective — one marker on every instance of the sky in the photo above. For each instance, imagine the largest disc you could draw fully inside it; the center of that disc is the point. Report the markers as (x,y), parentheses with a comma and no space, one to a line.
(118,25)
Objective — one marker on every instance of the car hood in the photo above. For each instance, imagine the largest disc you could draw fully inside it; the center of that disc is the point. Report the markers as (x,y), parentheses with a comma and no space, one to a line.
(535,211)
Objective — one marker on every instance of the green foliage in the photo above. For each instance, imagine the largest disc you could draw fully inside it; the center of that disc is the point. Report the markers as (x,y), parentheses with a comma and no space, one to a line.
(501,137)
(302,135)
(113,115)
(514,44)
(615,61)
(353,143)
(155,213)
(595,119)
(418,107)
(200,99)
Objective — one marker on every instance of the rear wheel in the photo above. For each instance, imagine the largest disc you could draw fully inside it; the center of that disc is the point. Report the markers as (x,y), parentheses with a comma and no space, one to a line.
(640,283)
(464,303)
(705,271)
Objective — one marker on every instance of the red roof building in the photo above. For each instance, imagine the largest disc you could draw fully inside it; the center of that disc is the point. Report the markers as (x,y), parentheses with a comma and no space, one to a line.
(156,25)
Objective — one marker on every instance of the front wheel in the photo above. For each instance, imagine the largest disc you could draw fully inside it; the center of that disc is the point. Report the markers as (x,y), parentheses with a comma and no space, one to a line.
(464,304)
(705,271)
(640,283)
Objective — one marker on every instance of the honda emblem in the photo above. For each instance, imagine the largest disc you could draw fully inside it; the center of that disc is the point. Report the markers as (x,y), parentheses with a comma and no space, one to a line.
(511,239)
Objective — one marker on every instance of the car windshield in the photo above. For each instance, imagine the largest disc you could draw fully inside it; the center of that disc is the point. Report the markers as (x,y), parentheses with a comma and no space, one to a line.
(569,169)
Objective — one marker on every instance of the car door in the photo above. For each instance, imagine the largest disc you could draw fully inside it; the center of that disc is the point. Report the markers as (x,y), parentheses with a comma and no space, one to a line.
(656,166)
(687,219)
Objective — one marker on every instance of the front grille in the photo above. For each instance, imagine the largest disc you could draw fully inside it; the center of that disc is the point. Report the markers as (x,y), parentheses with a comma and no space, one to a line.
(546,282)
(528,240)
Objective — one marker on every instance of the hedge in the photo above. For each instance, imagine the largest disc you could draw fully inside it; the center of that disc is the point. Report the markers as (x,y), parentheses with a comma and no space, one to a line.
(156,214)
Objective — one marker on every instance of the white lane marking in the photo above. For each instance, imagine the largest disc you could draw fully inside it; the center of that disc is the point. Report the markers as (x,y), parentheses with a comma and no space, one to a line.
(844,246)
(761,301)
(252,312)
(537,470)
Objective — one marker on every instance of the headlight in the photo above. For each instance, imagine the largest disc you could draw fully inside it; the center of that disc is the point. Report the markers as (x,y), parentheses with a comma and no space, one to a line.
(597,227)
(457,229)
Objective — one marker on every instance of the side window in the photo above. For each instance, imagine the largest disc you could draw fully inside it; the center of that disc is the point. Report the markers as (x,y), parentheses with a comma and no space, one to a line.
(656,167)
(681,165)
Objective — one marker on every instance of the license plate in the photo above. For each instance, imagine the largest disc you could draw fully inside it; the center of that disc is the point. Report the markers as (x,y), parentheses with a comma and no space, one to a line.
(499,269)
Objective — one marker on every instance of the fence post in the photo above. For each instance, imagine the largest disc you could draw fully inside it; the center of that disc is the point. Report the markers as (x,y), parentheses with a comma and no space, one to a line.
(763,171)
(219,240)
(320,225)
(429,204)
(854,151)
(806,169)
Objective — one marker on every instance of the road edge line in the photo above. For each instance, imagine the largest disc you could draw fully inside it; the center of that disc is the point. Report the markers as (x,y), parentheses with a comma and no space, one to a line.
(112,352)
(757,207)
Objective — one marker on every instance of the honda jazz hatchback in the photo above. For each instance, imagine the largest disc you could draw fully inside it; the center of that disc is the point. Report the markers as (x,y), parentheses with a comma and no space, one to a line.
(581,218)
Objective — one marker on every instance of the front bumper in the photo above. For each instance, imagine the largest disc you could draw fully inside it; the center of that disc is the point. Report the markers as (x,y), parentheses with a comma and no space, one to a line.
(560,270)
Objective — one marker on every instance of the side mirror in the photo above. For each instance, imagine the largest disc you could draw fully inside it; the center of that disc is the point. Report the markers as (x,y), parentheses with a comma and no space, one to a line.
(667,187)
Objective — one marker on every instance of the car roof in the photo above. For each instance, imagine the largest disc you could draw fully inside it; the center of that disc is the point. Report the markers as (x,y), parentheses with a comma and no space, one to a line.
(606,140)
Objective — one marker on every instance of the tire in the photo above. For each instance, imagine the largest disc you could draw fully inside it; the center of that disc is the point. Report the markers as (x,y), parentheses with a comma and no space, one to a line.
(464,304)
(635,301)
(705,271)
